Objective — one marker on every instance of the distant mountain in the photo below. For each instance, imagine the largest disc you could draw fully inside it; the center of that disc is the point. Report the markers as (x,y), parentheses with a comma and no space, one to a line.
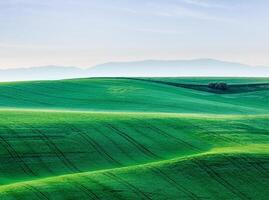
(40,73)
(149,68)
(198,67)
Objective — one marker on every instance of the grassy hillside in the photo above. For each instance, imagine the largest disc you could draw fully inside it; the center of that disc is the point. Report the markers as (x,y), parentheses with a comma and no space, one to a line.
(132,139)
(206,80)
(216,176)
(233,86)
(112,94)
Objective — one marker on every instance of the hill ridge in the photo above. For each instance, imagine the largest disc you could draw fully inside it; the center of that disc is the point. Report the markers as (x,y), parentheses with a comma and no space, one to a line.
(232,150)
(144,68)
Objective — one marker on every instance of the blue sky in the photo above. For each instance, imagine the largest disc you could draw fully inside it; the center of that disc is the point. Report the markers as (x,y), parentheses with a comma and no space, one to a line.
(86,32)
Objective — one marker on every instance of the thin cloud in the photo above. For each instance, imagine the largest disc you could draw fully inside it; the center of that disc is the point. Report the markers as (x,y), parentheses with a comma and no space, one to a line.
(204,3)
(159,31)
(176,10)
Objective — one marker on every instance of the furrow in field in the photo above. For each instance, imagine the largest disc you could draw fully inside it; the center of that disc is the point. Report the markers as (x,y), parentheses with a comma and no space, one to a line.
(173,173)
(135,95)
(56,143)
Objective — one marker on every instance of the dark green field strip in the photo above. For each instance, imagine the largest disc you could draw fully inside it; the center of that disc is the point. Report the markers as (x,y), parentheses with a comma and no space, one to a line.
(118,94)
(37,144)
(138,151)
(40,144)
(232,89)
(213,176)
(206,80)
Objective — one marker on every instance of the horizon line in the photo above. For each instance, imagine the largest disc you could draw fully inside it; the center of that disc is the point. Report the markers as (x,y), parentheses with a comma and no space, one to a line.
(134,61)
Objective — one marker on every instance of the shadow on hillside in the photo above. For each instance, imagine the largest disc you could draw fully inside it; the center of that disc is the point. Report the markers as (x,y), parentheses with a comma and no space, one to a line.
(232,89)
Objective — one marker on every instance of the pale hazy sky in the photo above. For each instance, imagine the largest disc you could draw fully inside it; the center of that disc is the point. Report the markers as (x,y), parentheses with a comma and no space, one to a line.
(86,32)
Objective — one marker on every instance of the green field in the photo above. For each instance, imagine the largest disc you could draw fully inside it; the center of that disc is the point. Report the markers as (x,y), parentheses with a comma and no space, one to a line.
(134,138)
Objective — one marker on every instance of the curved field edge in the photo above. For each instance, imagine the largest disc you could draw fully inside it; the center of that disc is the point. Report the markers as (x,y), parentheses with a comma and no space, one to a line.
(231,88)
(51,152)
(230,170)
(42,144)
(117,94)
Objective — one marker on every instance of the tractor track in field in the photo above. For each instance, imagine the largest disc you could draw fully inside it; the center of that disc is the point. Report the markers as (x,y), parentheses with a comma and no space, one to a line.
(95,145)
(114,193)
(116,145)
(16,156)
(167,135)
(90,193)
(257,164)
(175,184)
(55,149)
(37,192)
(220,180)
(133,188)
(159,168)
(135,143)
(109,142)
(37,155)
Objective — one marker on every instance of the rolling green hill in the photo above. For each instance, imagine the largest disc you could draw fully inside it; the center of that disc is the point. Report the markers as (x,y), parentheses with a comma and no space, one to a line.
(119,94)
(118,138)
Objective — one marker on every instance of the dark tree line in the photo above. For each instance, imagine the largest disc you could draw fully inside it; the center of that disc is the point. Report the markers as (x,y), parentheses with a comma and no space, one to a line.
(218,86)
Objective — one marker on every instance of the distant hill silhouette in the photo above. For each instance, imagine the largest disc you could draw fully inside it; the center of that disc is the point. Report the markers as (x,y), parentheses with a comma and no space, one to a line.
(147,68)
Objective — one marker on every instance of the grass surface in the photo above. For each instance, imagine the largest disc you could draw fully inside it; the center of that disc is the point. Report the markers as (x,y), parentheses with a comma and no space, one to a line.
(116,94)
(119,138)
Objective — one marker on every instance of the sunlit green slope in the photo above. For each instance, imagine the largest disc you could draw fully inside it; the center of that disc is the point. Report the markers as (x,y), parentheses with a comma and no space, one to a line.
(232,173)
(60,139)
(112,94)
(141,149)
